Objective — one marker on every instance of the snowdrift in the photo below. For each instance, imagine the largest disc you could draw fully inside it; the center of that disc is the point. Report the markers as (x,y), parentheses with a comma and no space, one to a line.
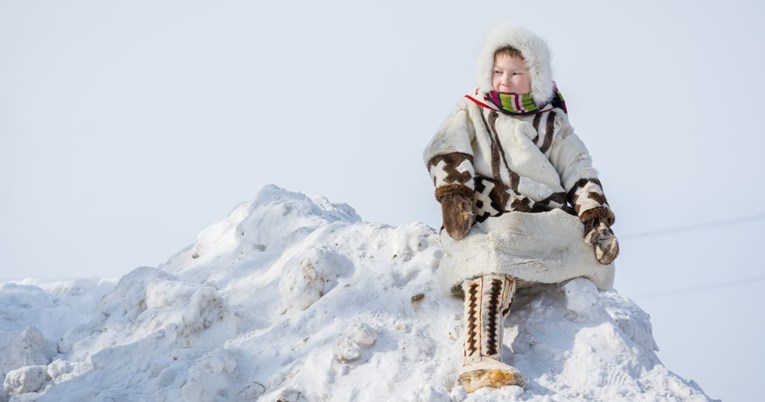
(294,298)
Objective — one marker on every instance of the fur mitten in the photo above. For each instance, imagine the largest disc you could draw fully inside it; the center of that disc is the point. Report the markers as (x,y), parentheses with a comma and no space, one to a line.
(457,212)
(598,234)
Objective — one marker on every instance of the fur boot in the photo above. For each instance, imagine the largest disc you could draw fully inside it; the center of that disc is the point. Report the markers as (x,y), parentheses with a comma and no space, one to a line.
(487,302)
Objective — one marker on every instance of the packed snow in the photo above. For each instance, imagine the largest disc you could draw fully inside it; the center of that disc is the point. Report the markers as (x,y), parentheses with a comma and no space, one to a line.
(294,298)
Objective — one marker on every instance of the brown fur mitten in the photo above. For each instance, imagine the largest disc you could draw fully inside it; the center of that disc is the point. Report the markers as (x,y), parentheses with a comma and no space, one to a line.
(457,212)
(598,234)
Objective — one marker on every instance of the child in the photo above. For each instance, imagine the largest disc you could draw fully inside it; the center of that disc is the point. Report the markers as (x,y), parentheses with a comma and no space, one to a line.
(521,202)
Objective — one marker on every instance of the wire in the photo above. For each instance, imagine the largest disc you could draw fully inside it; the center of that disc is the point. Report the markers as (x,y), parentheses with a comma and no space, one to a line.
(711,286)
(692,228)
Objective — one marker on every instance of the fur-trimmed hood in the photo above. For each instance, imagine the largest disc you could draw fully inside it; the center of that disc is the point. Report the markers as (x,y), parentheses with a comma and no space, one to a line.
(534,50)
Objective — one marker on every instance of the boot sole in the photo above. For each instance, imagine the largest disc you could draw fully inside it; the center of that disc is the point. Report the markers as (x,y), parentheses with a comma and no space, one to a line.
(494,378)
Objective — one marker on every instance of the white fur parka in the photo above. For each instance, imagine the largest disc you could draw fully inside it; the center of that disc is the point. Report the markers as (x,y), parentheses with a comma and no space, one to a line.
(530,177)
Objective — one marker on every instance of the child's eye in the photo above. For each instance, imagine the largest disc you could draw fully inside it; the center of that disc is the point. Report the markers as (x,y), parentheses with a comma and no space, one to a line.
(497,72)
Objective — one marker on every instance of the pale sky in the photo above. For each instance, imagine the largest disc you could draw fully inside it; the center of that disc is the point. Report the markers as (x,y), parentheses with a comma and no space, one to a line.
(127,127)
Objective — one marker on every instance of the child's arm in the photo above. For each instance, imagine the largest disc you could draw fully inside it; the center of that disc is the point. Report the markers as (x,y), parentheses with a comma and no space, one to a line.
(585,192)
(572,160)
(449,158)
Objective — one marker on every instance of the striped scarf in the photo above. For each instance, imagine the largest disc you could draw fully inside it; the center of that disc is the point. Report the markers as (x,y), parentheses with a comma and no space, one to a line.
(513,103)
(516,104)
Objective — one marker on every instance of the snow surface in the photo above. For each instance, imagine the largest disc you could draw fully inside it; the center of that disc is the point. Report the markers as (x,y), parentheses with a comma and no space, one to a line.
(294,298)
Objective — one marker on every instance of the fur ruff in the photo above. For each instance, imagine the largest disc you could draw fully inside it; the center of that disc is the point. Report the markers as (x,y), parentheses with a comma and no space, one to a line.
(531,247)
(534,50)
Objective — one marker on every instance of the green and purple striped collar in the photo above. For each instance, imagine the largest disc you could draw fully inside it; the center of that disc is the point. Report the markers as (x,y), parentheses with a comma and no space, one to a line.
(513,103)
(516,104)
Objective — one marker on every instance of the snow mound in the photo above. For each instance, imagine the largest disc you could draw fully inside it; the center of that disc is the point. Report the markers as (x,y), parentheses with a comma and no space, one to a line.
(294,298)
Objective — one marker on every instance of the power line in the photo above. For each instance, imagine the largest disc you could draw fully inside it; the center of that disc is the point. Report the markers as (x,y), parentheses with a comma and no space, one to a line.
(712,286)
(694,227)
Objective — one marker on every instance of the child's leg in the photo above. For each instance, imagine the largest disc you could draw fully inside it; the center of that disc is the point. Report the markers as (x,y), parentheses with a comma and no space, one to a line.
(487,302)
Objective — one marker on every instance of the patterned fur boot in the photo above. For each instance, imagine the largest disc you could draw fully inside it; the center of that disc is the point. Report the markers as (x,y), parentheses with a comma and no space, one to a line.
(487,302)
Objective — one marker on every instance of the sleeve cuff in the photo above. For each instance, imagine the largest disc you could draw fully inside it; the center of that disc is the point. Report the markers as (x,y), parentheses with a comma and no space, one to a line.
(449,189)
(604,213)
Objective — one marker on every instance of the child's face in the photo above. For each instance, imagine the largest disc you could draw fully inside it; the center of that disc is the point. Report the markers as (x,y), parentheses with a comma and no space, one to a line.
(510,75)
